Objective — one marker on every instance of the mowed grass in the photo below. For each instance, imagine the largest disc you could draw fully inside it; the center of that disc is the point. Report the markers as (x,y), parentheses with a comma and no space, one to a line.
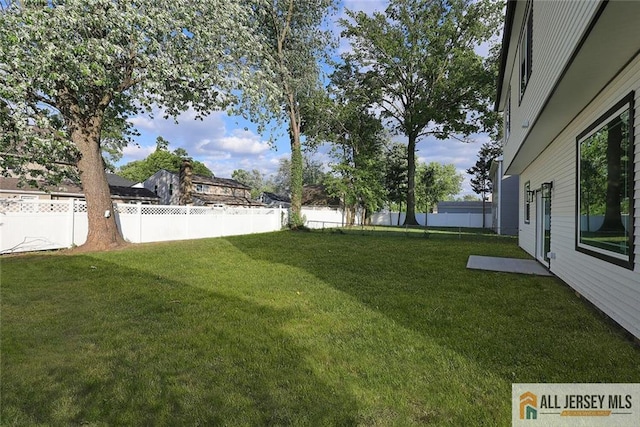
(291,329)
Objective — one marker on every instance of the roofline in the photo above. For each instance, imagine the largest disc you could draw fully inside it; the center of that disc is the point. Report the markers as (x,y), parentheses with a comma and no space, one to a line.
(506,37)
(58,193)
(42,192)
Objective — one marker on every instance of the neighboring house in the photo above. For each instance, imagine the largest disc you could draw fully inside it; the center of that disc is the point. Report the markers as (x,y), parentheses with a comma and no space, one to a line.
(569,88)
(313,195)
(166,185)
(122,191)
(221,191)
(504,199)
(275,200)
(316,195)
(205,191)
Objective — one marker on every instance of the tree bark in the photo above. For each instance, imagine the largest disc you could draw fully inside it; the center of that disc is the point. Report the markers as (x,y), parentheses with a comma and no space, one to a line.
(103,231)
(410,219)
(296,175)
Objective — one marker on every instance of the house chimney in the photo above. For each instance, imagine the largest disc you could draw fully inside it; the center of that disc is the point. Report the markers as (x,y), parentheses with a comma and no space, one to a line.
(186,184)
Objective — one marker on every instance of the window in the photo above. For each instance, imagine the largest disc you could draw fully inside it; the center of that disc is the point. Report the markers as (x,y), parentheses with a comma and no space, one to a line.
(605,186)
(202,188)
(527,202)
(170,189)
(526,48)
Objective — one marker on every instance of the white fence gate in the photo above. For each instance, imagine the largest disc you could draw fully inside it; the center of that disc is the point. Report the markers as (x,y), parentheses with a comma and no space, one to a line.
(31,225)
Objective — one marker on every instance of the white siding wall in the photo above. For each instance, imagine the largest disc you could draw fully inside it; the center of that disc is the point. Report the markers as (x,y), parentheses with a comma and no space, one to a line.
(557,28)
(167,185)
(615,290)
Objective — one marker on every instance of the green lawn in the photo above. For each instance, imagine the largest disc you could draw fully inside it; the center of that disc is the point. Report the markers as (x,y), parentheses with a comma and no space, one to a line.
(322,328)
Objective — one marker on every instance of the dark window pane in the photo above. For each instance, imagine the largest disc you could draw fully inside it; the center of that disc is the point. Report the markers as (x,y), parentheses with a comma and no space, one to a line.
(605,169)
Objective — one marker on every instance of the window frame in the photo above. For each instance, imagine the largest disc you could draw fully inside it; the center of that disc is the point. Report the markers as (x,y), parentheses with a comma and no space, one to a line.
(525,48)
(202,188)
(626,261)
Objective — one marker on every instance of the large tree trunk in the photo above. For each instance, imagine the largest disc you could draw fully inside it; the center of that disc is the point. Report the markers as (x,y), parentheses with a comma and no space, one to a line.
(411,184)
(103,231)
(612,217)
(296,176)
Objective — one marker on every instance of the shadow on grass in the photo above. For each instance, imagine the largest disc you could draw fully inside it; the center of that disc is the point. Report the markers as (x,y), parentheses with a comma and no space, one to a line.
(82,348)
(441,233)
(521,328)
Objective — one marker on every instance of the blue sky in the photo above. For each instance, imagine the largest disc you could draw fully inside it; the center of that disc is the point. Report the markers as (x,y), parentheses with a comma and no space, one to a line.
(225,143)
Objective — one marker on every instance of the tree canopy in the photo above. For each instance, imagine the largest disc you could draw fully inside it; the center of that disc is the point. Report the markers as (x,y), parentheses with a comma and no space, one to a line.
(395,177)
(254,179)
(436,182)
(357,141)
(161,158)
(312,174)
(418,59)
(481,180)
(67,64)
(297,43)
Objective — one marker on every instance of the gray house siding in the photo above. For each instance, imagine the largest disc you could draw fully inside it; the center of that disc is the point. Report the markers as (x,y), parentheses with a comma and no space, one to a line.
(509,207)
(504,200)
(166,185)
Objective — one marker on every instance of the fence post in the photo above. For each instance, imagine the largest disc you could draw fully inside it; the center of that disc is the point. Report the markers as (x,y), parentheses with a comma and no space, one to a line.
(72,221)
(139,221)
(188,221)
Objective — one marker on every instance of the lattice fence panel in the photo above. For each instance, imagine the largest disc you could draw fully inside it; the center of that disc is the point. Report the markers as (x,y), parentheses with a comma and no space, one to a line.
(34,206)
(163,210)
(201,211)
(127,209)
(7,206)
(54,207)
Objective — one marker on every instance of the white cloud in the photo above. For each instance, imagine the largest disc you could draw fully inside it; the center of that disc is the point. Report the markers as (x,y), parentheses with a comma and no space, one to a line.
(221,142)
(137,152)
(239,142)
(143,122)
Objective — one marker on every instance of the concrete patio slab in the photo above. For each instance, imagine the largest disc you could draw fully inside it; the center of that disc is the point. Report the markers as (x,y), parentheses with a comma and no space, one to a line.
(507,265)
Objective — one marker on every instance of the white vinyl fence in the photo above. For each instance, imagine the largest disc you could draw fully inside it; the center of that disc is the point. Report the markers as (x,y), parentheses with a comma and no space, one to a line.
(320,217)
(465,220)
(31,225)
(330,218)
(34,225)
